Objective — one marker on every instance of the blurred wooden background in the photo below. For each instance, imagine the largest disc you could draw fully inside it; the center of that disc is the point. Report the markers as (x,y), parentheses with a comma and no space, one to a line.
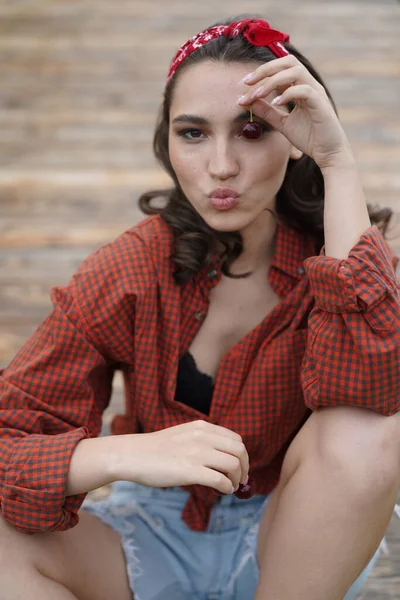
(80,85)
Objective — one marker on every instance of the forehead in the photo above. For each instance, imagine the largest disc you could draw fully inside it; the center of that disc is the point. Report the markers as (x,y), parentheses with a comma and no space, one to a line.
(208,86)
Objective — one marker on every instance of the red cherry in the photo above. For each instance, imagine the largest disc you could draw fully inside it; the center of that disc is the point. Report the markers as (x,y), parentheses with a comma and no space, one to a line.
(252,130)
(245,491)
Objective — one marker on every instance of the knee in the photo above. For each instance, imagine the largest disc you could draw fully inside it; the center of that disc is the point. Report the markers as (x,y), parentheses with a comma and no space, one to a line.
(357,449)
(360,446)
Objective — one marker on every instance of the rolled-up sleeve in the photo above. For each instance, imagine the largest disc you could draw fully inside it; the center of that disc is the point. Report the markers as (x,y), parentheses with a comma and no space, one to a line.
(52,395)
(352,355)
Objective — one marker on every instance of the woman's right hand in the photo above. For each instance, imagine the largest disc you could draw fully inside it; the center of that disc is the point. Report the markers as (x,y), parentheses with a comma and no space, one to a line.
(191,453)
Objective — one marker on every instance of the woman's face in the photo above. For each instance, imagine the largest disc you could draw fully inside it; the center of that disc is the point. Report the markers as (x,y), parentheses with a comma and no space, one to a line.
(229,180)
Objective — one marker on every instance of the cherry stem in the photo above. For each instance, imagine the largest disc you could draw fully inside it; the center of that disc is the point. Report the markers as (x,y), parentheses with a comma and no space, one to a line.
(251,113)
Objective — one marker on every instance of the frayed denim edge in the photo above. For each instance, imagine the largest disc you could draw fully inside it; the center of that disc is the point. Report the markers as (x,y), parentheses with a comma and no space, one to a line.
(250,544)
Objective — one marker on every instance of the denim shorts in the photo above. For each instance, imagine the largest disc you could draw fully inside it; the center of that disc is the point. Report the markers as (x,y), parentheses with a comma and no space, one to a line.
(166,560)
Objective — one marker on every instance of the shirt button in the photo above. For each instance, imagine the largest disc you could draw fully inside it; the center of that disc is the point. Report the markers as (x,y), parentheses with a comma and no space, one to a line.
(213,273)
(199,315)
(300,270)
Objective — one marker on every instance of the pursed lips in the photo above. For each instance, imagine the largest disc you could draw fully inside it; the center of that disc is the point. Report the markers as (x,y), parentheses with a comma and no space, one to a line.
(224,198)
(222,193)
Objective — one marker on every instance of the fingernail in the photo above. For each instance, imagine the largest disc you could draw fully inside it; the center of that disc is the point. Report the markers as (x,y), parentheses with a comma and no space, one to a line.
(276,100)
(246,481)
(256,93)
(241,98)
(247,78)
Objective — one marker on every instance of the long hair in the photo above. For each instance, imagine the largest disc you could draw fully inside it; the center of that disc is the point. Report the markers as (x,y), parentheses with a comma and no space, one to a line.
(299,202)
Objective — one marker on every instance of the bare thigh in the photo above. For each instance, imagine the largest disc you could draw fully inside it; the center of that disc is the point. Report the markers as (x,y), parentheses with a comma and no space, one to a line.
(357,427)
(87,559)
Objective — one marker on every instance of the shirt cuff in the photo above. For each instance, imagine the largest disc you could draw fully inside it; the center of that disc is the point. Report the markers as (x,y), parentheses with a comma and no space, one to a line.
(356,283)
(33,493)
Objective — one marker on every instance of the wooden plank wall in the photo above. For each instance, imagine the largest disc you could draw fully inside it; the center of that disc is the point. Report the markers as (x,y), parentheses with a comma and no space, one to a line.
(80,85)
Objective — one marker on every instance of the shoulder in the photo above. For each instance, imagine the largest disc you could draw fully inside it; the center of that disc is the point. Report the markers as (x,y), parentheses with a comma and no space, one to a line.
(125,268)
(151,232)
(113,280)
(133,256)
(148,244)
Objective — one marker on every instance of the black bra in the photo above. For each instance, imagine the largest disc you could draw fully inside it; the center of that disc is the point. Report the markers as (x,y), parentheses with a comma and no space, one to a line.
(193,387)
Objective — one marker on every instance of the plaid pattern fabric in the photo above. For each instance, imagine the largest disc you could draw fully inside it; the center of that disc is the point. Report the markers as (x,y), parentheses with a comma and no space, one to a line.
(332,340)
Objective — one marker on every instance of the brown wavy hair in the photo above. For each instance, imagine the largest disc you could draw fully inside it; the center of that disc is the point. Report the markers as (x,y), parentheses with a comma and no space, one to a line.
(299,202)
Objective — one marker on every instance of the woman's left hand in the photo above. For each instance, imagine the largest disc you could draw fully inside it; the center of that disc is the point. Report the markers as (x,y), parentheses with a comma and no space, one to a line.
(312,126)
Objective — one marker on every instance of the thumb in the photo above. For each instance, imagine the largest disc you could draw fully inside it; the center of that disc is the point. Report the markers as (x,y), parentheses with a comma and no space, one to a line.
(273,115)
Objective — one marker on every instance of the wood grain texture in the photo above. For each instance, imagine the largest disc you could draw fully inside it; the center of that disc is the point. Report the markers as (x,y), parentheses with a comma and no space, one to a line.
(81,83)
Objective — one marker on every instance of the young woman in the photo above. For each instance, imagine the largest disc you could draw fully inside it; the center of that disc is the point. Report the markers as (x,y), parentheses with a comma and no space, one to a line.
(256,320)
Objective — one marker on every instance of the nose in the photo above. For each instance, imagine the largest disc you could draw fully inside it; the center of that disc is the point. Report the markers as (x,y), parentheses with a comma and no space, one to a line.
(223,162)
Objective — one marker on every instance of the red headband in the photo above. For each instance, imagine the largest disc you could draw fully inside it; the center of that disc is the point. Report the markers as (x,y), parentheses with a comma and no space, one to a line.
(256,31)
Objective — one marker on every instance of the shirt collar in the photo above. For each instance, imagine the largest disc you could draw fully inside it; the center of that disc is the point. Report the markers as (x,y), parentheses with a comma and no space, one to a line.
(291,249)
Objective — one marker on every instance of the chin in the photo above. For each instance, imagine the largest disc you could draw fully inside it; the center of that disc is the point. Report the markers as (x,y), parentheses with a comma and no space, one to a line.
(225,222)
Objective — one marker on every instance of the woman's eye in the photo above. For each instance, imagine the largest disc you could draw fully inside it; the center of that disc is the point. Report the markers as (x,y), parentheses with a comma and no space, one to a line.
(191,134)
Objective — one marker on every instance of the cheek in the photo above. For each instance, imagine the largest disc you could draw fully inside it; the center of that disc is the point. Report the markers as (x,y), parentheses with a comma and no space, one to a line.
(183,162)
(273,163)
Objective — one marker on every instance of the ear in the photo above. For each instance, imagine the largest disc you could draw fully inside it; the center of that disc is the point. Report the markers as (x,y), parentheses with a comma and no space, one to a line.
(295,154)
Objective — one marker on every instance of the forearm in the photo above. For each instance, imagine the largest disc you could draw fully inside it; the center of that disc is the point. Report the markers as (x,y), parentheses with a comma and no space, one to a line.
(175,456)
(100,461)
(346,214)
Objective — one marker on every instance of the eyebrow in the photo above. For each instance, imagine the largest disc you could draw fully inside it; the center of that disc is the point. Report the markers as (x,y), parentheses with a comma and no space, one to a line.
(244,115)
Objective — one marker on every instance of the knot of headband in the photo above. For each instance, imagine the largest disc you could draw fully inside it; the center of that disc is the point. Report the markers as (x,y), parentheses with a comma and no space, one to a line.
(256,31)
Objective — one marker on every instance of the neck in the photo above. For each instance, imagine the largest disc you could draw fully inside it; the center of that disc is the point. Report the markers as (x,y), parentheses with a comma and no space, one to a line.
(258,244)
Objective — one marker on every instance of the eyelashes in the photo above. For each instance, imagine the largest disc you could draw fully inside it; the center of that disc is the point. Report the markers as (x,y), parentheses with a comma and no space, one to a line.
(193,134)
(187,133)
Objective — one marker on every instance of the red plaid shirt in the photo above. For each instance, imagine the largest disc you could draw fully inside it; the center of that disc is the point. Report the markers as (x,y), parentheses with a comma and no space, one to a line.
(332,340)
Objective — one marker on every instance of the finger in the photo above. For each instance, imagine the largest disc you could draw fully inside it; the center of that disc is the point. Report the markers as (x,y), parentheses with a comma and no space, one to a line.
(224,440)
(224,463)
(216,429)
(213,479)
(270,68)
(231,447)
(272,114)
(299,93)
(236,449)
(278,82)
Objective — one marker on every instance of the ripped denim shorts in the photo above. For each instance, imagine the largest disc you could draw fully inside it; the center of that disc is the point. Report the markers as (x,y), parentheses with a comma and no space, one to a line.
(166,560)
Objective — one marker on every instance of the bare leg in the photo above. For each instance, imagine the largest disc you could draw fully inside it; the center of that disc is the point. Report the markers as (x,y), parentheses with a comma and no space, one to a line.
(32,586)
(332,506)
(85,563)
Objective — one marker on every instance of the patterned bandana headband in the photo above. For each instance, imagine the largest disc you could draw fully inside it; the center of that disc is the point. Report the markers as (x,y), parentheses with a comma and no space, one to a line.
(256,31)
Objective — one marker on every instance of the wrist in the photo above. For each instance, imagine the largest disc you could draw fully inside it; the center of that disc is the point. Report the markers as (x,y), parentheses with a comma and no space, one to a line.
(109,456)
(121,462)
(114,457)
(342,160)
(90,466)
